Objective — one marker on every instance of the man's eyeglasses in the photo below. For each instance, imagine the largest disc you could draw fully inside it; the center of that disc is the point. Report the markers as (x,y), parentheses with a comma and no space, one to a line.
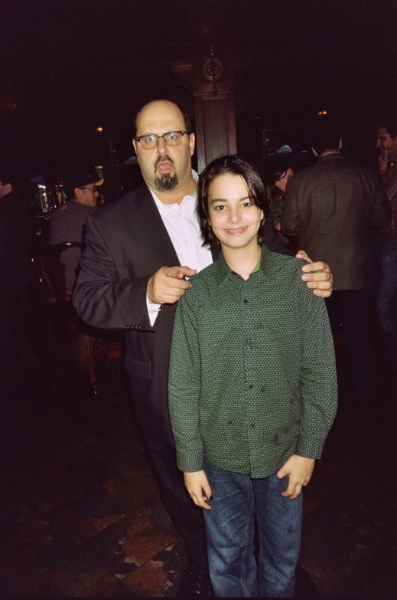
(171,138)
(91,189)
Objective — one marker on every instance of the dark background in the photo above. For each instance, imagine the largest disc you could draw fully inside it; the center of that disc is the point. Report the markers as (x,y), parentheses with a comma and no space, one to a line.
(69,66)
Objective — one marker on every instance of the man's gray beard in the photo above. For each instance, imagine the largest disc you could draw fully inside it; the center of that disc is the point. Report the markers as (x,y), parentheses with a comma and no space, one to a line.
(166,183)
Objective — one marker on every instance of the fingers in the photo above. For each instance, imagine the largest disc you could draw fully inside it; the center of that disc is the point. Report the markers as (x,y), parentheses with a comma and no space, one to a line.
(316,267)
(292,491)
(168,284)
(319,278)
(322,293)
(302,254)
(201,496)
(299,471)
(294,487)
(282,472)
(178,272)
(198,487)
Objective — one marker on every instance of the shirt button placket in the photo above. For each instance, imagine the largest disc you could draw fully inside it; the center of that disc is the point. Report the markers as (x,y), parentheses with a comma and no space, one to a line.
(249,370)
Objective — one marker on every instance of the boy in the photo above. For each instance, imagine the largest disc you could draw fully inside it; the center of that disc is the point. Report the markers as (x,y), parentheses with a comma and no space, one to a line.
(252,390)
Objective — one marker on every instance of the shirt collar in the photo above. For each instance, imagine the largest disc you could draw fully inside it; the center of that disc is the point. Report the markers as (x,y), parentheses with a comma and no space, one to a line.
(268,267)
(330,154)
(161,206)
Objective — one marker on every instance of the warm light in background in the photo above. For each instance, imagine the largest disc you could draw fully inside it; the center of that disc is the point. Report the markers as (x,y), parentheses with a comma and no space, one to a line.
(99,129)
(322,113)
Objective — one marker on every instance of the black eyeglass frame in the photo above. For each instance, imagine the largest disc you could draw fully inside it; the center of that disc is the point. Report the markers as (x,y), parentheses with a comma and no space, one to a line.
(158,137)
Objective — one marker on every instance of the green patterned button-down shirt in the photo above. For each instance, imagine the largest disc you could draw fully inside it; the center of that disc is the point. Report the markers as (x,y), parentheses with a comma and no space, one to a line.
(252,372)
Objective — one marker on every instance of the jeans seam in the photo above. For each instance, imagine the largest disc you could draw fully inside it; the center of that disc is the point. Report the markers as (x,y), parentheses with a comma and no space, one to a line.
(247,539)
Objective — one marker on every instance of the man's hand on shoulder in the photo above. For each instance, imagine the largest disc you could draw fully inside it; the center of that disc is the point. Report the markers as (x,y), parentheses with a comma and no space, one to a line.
(168,284)
(317,275)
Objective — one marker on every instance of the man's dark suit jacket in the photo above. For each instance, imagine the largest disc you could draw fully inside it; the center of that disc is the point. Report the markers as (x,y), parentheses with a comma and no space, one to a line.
(332,208)
(125,243)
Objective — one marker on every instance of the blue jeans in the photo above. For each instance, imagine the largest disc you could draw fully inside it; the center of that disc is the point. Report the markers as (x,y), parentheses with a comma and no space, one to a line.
(386,250)
(238,503)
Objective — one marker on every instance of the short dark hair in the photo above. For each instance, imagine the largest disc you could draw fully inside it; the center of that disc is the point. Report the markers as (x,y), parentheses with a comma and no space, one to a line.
(390,125)
(259,193)
(325,136)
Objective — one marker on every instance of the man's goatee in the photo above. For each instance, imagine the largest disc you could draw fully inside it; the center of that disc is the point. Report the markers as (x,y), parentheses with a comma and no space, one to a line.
(166,183)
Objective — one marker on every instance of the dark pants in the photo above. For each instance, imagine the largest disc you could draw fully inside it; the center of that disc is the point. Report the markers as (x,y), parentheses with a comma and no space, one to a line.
(386,250)
(353,309)
(186,516)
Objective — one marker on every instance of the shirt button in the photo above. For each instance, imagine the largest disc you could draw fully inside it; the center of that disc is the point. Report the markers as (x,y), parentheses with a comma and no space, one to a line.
(251,387)
(252,425)
(245,301)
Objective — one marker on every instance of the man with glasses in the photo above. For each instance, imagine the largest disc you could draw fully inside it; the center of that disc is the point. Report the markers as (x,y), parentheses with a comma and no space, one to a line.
(68,222)
(140,252)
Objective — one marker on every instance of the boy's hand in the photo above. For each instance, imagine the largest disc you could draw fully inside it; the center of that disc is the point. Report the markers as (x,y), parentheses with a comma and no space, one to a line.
(299,471)
(198,487)
(317,275)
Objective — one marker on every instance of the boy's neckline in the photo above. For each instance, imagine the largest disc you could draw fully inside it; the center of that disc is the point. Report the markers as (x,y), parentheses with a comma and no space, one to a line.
(243,261)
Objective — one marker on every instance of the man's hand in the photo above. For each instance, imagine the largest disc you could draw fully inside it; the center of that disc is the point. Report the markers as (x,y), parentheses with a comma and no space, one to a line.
(168,284)
(299,471)
(198,487)
(317,275)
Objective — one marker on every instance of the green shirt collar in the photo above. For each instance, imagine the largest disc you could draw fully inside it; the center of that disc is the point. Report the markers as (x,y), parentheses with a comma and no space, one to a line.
(265,267)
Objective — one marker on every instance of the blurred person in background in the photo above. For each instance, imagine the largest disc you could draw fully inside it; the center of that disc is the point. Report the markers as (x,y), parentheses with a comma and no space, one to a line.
(68,223)
(333,208)
(386,242)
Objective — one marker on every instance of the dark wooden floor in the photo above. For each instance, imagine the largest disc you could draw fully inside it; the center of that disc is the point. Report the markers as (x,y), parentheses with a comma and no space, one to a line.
(81,515)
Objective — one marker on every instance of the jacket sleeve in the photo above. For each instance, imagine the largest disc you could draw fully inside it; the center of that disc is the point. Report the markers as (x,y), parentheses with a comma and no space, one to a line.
(104,295)
(290,215)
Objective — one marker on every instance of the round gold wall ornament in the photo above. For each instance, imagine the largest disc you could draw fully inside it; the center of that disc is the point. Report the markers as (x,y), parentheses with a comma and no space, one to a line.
(212,69)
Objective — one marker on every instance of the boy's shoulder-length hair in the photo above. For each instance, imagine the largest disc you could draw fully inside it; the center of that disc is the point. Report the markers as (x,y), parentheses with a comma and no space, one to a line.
(225,165)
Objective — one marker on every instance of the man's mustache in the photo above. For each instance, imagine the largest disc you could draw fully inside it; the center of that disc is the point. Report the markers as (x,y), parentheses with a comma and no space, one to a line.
(163,158)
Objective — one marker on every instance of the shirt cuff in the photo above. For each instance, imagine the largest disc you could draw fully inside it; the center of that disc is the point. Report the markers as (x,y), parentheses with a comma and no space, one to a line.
(153,310)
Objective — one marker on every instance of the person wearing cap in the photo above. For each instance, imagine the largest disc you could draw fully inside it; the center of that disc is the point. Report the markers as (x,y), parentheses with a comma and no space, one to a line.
(68,222)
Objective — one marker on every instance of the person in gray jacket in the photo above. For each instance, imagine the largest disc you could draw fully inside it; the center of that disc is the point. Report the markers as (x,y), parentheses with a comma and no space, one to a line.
(333,208)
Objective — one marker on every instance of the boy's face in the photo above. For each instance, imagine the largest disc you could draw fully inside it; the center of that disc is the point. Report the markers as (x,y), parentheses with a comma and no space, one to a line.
(234,218)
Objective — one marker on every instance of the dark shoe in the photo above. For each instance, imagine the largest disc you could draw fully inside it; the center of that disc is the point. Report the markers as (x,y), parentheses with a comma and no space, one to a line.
(194,585)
